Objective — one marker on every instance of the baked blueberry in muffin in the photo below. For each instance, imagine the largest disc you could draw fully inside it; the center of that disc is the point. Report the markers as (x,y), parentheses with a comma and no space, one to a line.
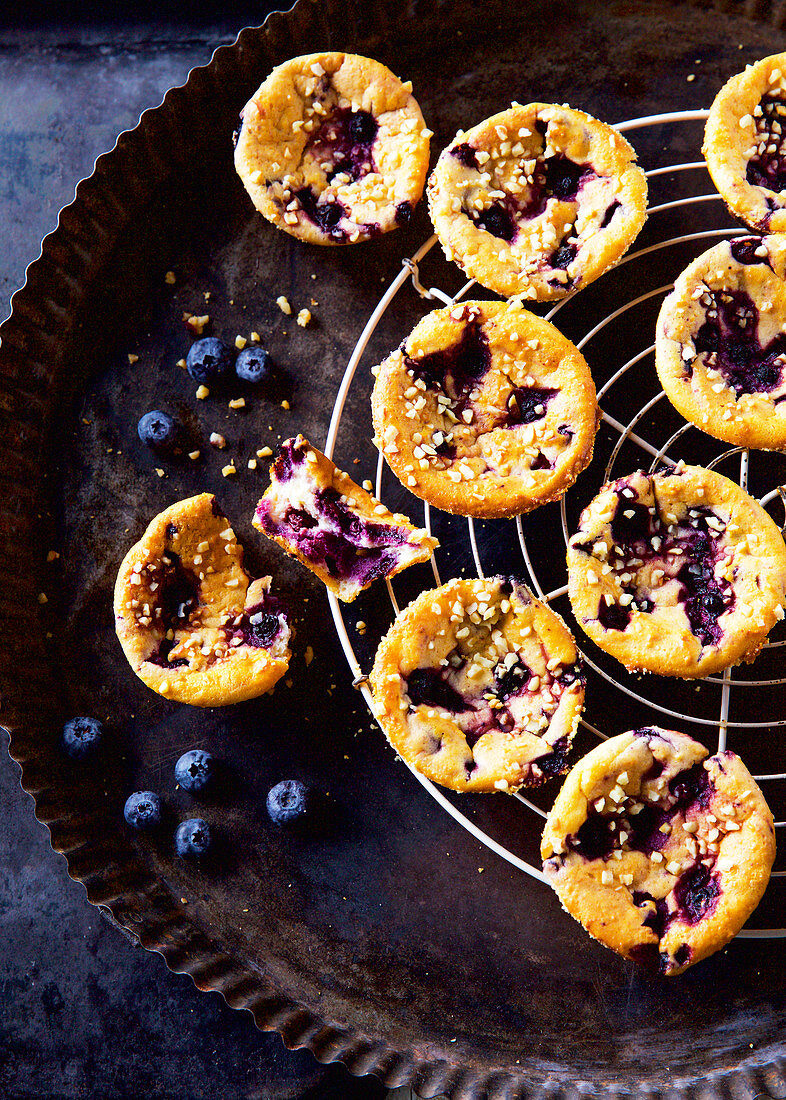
(744,144)
(660,850)
(721,348)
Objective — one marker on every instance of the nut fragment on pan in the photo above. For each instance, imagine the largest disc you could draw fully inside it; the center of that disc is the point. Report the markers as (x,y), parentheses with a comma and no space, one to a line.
(333,149)
(720,345)
(485,410)
(339,531)
(478,686)
(661,851)
(681,573)
(192,624)
(744,144)
(537,200)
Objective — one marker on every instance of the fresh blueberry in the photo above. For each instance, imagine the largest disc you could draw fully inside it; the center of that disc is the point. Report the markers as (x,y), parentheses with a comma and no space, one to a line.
(159,430)
(195,770)
(208,360)
(81,736)
(288,802)
(193,839)
(143,810)
(253,365)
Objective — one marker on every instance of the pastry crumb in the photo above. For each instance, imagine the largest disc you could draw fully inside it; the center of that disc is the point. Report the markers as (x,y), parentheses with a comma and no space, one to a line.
(283,305)
(197,324)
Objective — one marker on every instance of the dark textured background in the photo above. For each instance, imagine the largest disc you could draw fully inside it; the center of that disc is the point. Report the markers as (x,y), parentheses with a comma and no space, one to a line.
(83,1013)
(120,1027)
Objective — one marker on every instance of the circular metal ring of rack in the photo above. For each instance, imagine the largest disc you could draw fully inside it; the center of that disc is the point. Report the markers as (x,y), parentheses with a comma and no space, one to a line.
(627,433)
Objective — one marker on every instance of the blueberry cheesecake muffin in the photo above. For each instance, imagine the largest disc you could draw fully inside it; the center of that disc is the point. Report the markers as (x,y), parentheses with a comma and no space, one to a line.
(537,201)
(340,532)
(193,625)
(478,686)
(744,148)
(485,410)
(660,850)
(333,149)
(720,345)
(680,573)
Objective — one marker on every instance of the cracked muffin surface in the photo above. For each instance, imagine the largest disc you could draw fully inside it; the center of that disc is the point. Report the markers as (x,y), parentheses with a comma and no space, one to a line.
(720,345)
(333,149)
(486,410)
(338,530)
(680,573)
(478,686)
(660,850)
(193,625)
(744,144)
(537,200)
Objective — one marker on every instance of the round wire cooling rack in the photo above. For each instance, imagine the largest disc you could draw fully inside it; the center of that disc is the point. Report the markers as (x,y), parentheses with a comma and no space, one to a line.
(629,433)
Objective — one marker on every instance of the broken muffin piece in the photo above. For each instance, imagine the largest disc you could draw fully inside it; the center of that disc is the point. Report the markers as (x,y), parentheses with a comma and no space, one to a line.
(339,531)
(192,624)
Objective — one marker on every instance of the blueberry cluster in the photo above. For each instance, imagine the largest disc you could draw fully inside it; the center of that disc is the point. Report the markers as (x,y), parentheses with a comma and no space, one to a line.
(289,803)
(210,362)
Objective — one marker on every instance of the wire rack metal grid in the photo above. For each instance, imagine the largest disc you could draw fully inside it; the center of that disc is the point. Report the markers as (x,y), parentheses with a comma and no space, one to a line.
(627,433)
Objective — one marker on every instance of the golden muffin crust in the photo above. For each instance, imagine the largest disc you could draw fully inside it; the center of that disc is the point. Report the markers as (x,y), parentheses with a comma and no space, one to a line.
(661,851)
(486,410)
(720,346)
(537,200)
(333,148)
(743,144)
(478,686)
(680,573)
(193,626)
